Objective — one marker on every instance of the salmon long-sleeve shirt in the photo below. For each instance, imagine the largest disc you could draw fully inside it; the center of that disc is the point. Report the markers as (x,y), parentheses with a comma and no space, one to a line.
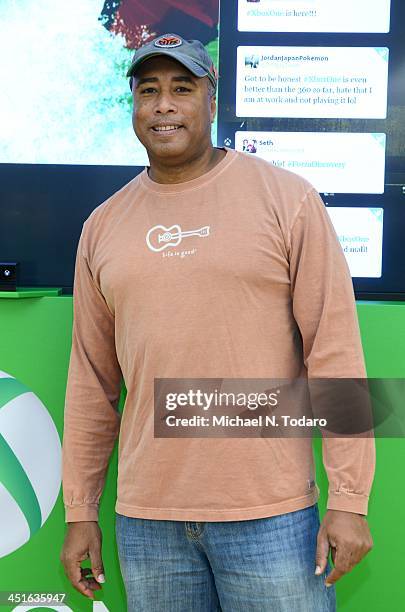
(264,292)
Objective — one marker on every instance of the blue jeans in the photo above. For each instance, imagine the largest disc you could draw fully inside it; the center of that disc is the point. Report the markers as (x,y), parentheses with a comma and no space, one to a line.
(258,565)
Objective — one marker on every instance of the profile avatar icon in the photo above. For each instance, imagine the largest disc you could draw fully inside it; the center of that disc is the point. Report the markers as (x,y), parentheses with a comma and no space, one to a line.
(252,61)
(249,145)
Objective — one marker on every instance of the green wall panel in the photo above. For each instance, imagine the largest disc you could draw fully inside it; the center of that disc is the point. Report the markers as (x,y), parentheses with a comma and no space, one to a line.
(34,348)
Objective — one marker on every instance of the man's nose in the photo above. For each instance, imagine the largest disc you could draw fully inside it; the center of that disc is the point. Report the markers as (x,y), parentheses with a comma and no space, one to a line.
(165,104)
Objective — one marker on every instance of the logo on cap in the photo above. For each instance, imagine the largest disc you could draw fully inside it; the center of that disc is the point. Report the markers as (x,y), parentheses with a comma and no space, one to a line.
(168,41)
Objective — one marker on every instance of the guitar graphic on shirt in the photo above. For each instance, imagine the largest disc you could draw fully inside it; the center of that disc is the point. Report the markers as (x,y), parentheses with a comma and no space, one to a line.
(160,237)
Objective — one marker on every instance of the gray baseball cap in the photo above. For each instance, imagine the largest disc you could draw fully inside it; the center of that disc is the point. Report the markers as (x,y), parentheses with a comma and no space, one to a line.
(190,53)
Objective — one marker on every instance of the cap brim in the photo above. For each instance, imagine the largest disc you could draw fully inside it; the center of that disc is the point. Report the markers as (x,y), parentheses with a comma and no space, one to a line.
(188,63)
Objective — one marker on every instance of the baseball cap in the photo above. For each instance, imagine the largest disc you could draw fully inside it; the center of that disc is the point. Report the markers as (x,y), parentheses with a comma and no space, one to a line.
(190,53)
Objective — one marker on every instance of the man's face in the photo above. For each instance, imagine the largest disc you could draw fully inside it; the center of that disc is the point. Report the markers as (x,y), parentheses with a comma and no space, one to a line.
(167,95)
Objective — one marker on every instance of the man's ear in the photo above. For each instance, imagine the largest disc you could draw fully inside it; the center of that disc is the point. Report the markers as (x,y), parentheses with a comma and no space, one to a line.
(213,107)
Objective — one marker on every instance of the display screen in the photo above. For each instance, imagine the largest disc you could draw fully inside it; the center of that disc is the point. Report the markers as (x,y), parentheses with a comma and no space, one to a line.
(314,86)
(317,87)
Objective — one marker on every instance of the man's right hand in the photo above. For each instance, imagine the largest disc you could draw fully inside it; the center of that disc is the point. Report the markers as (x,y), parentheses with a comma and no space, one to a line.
(83,541)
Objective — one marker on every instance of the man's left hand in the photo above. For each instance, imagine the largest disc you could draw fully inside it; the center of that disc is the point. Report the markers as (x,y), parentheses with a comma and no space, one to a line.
(348,535)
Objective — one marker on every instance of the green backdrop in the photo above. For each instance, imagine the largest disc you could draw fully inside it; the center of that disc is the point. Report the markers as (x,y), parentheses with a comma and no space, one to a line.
(34,348)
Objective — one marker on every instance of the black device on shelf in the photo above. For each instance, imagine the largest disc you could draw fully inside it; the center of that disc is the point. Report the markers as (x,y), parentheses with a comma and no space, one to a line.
(8,275)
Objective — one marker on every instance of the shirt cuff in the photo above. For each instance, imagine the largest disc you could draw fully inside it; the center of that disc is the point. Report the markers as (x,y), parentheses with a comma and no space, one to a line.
(75,514)
(348,502)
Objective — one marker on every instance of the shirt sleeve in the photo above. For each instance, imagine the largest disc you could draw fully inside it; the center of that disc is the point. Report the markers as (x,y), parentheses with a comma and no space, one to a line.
(91,417)
(325,311)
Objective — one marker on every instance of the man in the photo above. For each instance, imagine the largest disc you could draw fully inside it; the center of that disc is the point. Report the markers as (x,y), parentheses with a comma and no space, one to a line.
(208,524)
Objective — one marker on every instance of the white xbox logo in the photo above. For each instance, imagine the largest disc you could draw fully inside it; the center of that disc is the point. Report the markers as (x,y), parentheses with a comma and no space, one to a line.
(30,464)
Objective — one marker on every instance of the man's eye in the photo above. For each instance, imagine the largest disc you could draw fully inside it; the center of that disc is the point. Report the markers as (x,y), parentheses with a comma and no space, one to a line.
(181,88)
(148,90)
